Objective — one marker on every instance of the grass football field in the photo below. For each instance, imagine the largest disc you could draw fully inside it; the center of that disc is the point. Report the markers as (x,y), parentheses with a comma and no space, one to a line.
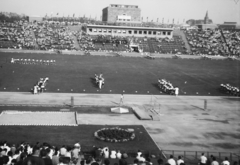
(133,75)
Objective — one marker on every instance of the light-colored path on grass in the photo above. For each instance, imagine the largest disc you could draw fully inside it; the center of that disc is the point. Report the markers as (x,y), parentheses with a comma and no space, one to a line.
(37,118)
(184,124)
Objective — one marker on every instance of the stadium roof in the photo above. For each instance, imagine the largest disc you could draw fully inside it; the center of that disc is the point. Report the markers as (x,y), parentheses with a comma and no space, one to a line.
(129,27)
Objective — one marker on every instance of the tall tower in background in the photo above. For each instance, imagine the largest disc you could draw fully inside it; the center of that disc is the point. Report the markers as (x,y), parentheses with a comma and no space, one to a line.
(124,13)
(206,19)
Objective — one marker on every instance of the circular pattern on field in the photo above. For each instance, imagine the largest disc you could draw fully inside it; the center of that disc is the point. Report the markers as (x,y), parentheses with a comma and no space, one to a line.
(115,134)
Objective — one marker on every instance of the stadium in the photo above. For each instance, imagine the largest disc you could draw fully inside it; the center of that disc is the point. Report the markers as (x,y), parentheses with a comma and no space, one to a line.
(120,90)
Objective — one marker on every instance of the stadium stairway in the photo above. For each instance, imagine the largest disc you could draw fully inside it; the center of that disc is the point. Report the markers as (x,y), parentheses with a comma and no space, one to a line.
(151,49)
(35,42)
(145,113)
(76,45)
(178,32)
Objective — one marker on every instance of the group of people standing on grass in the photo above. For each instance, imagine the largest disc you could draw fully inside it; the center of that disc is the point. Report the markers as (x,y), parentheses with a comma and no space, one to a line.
(167,87)
(99,80)
(231,90)
(32,61)
(40,86)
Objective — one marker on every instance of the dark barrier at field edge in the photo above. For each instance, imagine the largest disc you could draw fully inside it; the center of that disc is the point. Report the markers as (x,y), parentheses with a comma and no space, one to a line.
(126,54)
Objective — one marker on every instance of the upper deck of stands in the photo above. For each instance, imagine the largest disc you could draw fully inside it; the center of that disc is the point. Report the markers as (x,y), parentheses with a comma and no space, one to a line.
(152,32)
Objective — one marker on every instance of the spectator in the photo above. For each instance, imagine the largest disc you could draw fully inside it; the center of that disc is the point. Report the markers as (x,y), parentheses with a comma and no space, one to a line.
(119,155)
(55,157)
(226,162)
(64,161)
(171,161)
(160,161)
(214,162)
(106,162)
(68,153)
(10,156)
(76,150)
(113,154)
(17,154)
(13,149)
(34,159)
(139,153)
(135,162)
(141,158)
(106,152)
(148,161)
(179,161)
(45,157)
(5,160)
(203,159)
(23,156)
(63,150)
(123,160)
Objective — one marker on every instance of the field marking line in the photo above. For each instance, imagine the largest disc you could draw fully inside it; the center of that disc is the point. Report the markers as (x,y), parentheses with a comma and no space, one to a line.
(198,79)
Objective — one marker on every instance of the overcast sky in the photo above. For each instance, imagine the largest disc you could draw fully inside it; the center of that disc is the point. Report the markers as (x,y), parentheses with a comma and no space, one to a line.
(218,10)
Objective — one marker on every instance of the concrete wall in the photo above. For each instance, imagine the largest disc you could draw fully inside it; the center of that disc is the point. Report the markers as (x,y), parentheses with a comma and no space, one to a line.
(135,13)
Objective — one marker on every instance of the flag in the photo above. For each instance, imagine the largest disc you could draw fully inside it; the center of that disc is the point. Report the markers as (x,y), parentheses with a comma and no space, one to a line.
(157,19)
(73,15)
(173,21)
(57,13)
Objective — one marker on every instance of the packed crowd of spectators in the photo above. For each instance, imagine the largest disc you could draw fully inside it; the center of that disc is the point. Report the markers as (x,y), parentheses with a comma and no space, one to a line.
(46,154)
(84,41)
(233,41)
(48,36)
(43,36)
(53,37)
(103,43)
(214,42)
(208,42)
(16,35)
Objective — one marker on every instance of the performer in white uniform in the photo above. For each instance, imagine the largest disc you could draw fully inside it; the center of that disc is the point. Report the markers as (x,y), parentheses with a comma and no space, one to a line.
(176,91)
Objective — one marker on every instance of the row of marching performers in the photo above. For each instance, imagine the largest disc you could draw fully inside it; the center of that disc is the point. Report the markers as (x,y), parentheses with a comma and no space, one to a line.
(32,61)
(40,86)
(231,90)
(167,87)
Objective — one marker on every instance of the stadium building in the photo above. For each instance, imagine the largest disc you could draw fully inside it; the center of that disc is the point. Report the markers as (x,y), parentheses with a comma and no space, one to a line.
(128,31)
(121,13)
